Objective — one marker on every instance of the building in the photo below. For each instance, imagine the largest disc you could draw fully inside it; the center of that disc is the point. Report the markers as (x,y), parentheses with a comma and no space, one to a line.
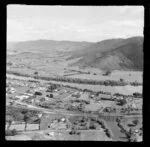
(21,97)
(106,97)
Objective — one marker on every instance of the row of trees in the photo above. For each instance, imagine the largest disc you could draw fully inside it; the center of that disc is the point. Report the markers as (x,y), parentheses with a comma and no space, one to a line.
(85,81)
(128,132)
(77,80)
(105,127)
(137,95)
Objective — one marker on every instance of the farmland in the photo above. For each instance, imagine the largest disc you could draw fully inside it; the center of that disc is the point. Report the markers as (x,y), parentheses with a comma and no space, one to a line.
(52,98)
(71,96)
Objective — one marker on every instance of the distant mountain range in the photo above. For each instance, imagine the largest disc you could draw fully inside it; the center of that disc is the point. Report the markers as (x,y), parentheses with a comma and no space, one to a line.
(112,54)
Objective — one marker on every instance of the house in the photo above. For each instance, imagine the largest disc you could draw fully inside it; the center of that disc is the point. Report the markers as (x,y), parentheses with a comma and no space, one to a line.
(21,97)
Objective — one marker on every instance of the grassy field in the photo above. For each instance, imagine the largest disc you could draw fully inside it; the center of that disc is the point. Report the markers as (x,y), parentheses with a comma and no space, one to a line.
(127,90)
(129,76)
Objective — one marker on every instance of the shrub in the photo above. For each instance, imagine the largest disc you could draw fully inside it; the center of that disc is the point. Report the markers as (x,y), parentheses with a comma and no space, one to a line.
(135,122)
(122,102)
(38,93)
(108,133)
(11,132)
(118,119)
(108,72)
(92,126)
(121,80)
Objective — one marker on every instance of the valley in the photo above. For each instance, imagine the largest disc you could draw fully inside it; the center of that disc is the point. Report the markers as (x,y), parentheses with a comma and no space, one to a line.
(63,90)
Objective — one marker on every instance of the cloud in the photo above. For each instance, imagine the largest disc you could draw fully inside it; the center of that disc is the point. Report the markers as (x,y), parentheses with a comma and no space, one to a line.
(128,23)
(59,28)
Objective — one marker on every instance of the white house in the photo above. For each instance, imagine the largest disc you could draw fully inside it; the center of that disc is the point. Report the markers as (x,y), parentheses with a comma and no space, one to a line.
(21,97)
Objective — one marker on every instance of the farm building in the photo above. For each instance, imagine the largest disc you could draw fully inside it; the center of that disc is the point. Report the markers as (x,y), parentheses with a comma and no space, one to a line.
(106,97)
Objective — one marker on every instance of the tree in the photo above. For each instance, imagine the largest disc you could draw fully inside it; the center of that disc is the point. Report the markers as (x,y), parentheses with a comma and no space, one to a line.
(114,110)
(122,102)
(92,126)
(26,118)
(121,80)
(129,134)
(12,103)
(39,120)
(135,122)
(9,120)
(37,93)
(108,72)
(36,74)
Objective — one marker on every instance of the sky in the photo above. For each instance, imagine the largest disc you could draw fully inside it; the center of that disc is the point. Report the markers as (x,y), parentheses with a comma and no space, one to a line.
(74,23)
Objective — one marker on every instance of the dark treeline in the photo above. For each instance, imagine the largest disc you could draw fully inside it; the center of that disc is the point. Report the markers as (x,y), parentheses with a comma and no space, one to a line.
(134,95)
(88,90)
(77,80)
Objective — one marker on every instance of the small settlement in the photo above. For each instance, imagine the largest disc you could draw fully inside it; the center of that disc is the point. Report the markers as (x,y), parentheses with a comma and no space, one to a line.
(70,114)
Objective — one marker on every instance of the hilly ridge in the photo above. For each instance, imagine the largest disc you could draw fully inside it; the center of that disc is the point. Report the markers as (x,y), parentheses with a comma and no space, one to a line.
(110,54)
(121,54)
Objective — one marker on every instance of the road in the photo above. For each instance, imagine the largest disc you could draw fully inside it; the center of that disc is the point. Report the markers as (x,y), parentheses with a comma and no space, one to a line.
(47,110)
(71,113)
